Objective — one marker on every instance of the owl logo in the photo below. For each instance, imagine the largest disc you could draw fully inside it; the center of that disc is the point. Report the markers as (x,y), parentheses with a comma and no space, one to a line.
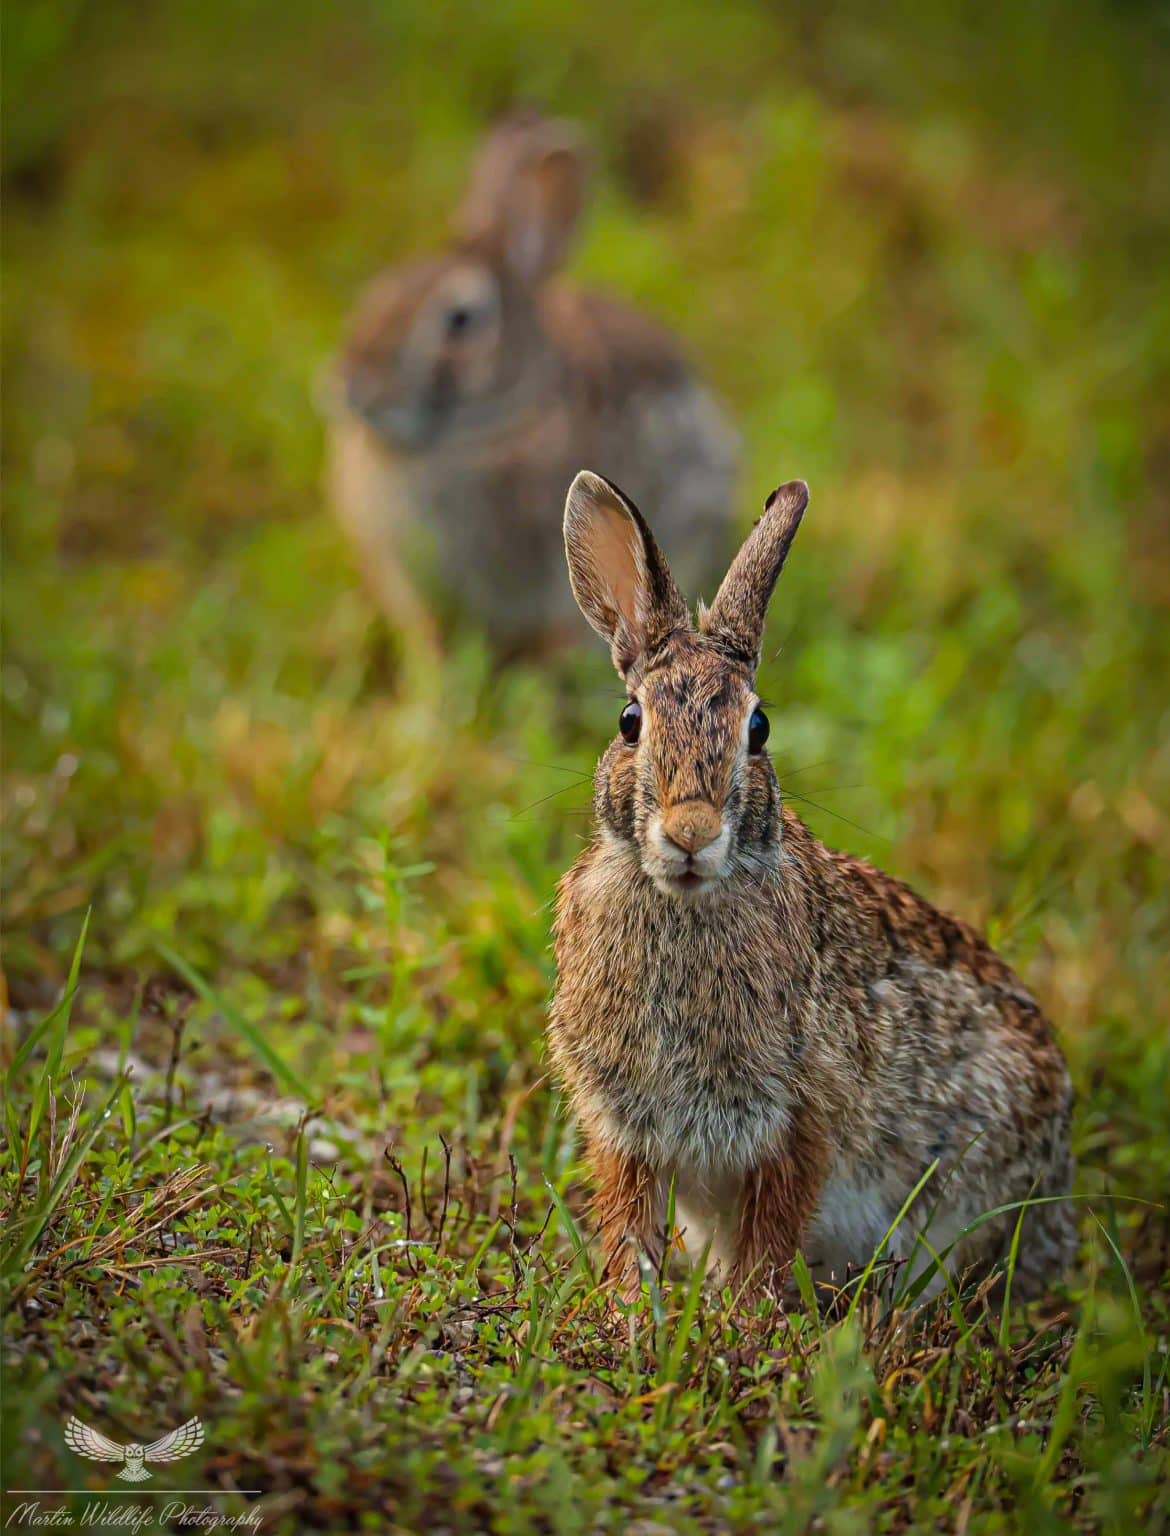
(180,1442)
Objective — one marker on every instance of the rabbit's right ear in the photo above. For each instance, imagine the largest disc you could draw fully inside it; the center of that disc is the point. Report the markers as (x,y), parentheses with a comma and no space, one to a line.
(619,575)
(736,617)
(525,195)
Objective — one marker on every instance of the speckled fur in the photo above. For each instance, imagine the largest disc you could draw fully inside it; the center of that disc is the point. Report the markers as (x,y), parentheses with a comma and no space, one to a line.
(796,1042)
(449,454)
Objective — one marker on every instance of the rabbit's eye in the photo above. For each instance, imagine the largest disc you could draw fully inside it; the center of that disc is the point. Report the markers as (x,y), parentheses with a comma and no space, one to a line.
(630,722)
(758,728)
(459,319)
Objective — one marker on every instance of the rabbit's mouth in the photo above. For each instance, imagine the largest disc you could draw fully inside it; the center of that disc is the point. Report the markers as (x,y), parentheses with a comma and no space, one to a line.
(686,885)
(689,880)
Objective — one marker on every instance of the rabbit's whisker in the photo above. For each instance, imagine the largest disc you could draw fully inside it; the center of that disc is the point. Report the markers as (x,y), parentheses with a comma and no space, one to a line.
(856,825)
(524,809)
(533,762)
(825,762)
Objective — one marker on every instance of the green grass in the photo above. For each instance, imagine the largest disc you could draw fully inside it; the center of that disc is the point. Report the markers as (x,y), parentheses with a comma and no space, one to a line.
(285,1155)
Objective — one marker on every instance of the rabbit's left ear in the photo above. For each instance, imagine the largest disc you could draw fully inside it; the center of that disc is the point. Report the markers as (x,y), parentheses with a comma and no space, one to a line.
(736,617)
(526,193)
(619,575)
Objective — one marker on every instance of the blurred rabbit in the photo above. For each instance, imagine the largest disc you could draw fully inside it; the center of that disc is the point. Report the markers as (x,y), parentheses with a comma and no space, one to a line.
(792,1037)
(471,387)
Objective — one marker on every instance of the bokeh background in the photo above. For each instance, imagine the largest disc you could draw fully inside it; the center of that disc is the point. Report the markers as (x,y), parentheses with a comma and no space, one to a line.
(921,252)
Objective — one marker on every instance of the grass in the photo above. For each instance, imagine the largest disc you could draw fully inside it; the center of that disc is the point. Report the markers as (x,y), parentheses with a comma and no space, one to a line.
(284,1154)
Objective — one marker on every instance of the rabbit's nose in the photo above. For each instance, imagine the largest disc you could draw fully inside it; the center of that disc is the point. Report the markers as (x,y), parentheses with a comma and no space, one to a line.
(693,825)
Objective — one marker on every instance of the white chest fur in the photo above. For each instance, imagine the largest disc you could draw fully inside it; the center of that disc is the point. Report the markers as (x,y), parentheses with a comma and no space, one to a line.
(706,1213)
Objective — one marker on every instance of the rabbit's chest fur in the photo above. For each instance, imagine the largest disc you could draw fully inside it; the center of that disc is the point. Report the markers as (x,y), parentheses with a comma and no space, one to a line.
(676,1025)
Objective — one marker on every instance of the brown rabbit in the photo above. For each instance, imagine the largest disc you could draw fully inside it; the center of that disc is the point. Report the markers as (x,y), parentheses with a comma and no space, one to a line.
(790,1035)
(471,386)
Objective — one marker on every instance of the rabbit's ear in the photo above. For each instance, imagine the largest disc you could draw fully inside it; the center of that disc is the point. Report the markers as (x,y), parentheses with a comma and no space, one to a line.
(736,617)
(619,575)
(525,196)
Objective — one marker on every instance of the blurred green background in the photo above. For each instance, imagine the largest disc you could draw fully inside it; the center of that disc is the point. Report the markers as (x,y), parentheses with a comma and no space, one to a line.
(920,251)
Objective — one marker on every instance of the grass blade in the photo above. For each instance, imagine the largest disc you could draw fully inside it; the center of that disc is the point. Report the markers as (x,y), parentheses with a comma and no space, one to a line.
(863,1278)
(1005,1314)
(1147,1383)
(671,1370)
(56,1026)
(580,1251)
(280,1069)
(14,1260)
(300,1207)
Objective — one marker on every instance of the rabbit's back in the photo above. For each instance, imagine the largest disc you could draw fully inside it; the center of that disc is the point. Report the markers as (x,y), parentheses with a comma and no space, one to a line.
(473,519)
(959,1070)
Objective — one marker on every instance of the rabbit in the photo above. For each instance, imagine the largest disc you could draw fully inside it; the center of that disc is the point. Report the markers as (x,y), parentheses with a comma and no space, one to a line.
(790,1036)
(471,386)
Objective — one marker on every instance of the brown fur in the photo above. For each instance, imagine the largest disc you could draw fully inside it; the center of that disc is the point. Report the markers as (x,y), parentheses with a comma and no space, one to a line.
(451,449)
(778,1199)
(630,1214)
(790,1034)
